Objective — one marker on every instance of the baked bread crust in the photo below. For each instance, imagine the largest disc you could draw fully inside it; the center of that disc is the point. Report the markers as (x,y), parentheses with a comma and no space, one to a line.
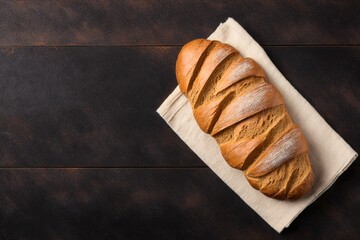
(232,100)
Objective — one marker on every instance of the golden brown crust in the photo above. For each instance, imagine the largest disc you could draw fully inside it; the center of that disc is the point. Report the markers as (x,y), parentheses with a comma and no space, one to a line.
(258,98)
(232,100)
(206,114)
(187,60)
(239,69)
(291,180)
(304,185)
(288,146)
(236,153)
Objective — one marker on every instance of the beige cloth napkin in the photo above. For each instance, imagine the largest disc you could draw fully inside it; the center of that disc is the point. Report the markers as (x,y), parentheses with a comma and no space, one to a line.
(330,155)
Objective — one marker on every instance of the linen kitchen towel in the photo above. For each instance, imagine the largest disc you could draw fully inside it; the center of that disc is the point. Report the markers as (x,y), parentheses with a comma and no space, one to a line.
(329,154)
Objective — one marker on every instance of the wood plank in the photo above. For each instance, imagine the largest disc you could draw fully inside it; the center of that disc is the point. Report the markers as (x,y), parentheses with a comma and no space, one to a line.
(156,204)
(172,22)
(95,106)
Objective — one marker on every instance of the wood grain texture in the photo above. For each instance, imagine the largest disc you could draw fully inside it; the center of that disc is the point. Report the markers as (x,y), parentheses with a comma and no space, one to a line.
(95,106)
(90,22)
(87,107)
(156,204)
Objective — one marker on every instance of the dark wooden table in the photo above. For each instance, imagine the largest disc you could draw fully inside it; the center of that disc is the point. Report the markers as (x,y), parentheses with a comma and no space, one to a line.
(84,155)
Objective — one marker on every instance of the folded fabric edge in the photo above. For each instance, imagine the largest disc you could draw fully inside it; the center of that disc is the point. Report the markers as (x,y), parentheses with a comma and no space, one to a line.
(169,101)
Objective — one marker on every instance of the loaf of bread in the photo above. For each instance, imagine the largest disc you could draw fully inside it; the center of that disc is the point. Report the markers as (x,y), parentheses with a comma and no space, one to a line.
(232,100)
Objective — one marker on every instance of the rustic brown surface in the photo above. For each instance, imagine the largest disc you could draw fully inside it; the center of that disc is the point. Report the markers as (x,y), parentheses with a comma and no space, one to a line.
(87,107)
(95,22)
(84,155)
(156,204)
